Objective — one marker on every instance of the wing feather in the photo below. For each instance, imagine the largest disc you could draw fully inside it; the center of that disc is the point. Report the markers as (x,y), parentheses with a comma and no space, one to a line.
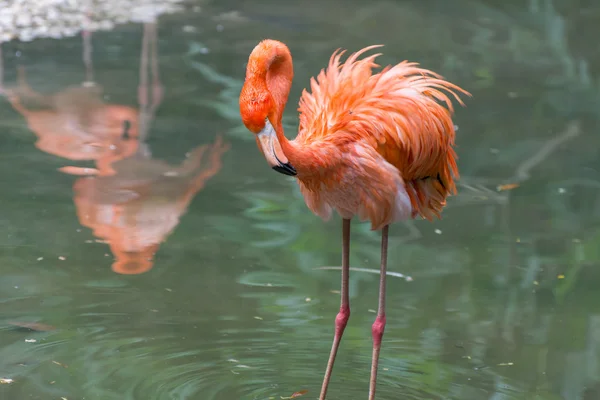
(402,103)
(404,112)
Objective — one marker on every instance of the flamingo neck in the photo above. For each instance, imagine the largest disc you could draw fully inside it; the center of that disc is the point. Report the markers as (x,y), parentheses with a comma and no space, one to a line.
(270,66)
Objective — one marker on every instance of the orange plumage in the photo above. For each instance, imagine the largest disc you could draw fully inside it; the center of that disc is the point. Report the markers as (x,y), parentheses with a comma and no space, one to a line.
(377,146)
(363,136)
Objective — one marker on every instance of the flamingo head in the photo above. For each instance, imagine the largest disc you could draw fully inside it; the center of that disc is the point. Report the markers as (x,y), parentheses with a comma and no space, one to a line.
(260,106)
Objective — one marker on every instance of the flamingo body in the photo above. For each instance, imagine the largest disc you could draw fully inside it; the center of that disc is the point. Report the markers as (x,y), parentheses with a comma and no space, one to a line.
(378,146)
(373,145)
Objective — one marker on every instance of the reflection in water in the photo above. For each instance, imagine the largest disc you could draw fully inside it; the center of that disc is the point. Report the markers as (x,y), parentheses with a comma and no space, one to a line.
(75,124)
(130,200)
(136,208)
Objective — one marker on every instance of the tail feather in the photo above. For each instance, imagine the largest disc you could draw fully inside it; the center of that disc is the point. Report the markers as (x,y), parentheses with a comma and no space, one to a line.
(428,197)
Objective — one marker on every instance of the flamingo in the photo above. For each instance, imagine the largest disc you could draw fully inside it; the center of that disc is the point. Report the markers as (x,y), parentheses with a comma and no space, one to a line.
(378,146)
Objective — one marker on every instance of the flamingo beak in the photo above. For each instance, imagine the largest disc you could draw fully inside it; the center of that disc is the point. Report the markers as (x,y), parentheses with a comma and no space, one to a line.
(271,148)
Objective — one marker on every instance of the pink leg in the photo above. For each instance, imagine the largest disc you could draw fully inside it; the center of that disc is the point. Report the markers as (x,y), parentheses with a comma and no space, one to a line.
(342,318)
(379,324)
(157,87)
(87,56)
(143,86)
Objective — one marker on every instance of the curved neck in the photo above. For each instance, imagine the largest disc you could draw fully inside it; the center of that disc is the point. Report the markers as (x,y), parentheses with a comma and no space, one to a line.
(270,65)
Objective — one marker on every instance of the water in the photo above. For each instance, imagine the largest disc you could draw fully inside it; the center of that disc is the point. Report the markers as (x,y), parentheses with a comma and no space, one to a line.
(198,278)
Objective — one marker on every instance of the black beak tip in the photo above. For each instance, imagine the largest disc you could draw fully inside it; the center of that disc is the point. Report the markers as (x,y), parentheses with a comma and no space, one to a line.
(285,169)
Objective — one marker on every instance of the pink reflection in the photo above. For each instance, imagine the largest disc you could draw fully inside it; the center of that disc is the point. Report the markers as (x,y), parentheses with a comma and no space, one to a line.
(138,207)
(75,124)
(128,199)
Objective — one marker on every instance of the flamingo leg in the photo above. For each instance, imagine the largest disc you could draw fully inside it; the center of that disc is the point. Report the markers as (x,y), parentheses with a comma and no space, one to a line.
(87,57)
(342,317)
(379,324)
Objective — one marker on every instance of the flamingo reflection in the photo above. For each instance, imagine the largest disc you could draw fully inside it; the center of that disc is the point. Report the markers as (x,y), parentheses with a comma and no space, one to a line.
(129,200)
(135,209)
(76,124)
